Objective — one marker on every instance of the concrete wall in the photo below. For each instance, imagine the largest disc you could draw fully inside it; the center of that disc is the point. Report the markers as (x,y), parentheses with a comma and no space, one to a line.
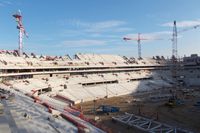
(41,76)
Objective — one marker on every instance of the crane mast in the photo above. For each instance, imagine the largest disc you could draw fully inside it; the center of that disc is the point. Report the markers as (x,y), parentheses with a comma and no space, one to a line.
(139,47)
(22,31)
(174,67)
(175,63)
(139,39)
(174,42)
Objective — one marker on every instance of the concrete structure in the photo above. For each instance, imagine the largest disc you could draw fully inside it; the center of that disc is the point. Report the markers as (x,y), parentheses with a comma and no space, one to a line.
(59,82)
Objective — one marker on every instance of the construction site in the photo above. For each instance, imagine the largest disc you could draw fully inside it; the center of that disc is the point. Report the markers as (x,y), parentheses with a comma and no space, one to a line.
(99,93)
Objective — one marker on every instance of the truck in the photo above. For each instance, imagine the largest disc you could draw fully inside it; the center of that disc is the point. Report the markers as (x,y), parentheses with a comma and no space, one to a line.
(108,109)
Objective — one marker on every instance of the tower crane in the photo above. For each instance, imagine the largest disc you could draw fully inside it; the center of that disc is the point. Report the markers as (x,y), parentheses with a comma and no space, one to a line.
(175,65)
(175,35)
(138,39)
(22,31)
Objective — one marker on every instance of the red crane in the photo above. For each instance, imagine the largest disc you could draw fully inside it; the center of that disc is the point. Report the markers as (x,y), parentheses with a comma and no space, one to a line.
(22,31)
(138,39)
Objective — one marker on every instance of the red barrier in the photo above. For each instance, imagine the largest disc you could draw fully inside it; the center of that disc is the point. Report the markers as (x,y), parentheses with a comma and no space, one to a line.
(81,127)
(64,98)
(74,111)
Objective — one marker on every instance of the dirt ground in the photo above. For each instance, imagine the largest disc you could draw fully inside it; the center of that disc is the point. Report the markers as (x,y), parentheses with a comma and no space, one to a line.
(184,116)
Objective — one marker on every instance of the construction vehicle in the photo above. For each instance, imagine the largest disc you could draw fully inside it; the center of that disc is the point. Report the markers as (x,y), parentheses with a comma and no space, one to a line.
(108,109)
(197,104)
(174,101)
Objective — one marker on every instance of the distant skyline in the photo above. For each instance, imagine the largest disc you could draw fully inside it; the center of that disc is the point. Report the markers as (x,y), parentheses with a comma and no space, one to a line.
(59,27)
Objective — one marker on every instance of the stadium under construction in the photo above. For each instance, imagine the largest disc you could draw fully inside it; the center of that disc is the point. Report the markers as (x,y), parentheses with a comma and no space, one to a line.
(98,93)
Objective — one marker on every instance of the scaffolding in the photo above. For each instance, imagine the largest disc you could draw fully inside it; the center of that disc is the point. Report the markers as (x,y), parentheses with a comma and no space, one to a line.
(147,125)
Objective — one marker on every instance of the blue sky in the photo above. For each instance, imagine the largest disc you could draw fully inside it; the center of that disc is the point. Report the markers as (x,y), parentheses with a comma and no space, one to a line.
(59,27)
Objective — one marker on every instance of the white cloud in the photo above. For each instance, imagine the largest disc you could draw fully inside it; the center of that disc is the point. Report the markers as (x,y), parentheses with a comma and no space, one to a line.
(103,26)
(83,43)
(151,36)
(71,33)
(182,24)
(122,29)
(98,27)
(5,3)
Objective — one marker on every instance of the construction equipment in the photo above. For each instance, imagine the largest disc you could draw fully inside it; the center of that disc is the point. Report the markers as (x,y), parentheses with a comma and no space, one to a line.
(147,125)
(22,31)
(174,42)
(175,35)
(175,63)
(138,39)
(174,101)
(108,109)
(197,104)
